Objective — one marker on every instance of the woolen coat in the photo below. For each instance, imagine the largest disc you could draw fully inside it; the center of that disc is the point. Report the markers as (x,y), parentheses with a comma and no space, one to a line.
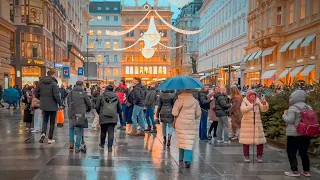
(235,112)
(250,134)
(186,110)
(212,111)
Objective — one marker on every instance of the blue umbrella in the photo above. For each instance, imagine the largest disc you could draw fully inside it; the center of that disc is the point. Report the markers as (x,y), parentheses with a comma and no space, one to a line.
(180,83)
(11,96)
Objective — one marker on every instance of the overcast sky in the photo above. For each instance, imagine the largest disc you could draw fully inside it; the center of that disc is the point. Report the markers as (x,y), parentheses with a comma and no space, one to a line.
(160,3)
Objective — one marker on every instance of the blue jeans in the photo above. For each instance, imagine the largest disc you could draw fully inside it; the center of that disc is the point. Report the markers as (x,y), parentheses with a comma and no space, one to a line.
(124,119)
(150,117)
(129,114)
(37,120)
(137,113)
(203,125)
(223,126)
(78,132)
(164,129)
(185,155)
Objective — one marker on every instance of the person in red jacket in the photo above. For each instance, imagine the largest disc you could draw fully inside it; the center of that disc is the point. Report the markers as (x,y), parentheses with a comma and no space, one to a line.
(122,92)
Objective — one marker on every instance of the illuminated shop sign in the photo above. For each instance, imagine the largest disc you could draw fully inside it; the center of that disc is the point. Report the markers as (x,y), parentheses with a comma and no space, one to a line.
(37,62)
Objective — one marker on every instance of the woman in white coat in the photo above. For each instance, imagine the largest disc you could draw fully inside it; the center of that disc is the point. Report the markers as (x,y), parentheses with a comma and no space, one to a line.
(186,110)
(251,131)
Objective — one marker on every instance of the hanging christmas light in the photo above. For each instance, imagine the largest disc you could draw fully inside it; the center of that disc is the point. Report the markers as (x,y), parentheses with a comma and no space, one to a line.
(152,35)
(179,3)
(147,51)
(170,47)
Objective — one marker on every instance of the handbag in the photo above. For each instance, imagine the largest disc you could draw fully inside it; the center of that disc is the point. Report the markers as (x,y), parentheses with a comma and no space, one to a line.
(60,118)
(78,120)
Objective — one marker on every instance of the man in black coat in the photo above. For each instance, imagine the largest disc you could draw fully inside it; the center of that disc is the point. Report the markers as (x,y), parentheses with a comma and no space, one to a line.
(205,106)
(138,100)
(221,108)
(48,93)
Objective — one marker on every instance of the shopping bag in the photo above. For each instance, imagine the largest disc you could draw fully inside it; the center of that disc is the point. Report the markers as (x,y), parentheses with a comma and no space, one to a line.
(60,118)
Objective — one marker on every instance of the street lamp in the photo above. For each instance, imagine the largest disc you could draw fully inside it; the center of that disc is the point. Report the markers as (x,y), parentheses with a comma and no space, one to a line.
(261,47)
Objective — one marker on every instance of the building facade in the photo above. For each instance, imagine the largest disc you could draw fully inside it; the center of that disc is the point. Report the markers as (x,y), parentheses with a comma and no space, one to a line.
(222,40)
(40,39)
(7,47)
(283,42)
(105,17)
(156,68)
(188,19)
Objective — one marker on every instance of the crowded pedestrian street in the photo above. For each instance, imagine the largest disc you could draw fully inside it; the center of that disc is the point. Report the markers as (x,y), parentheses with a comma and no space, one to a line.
(22,157)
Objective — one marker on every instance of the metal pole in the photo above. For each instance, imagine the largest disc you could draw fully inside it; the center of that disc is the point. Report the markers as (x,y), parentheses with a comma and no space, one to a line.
(261,68)
(87,53)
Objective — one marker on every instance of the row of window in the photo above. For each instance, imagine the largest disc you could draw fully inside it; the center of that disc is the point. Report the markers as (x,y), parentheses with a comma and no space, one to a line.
(98,44)
(130,34)
(108,72)
(107,58)
(115,18)
(146,21)
(140,58)
(107,8)
(145,70)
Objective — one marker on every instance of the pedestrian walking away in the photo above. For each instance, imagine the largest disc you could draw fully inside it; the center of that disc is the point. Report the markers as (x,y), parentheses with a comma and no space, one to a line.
(48,93)
(187,110)
(164,113)
(251,131)
(297,142)
(150,103)
(205,106)
(78,104)
(95,97)
(109,109)
(63,94)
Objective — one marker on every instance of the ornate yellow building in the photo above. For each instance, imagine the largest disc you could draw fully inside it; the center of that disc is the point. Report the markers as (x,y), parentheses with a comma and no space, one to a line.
(133,63)
(283,41)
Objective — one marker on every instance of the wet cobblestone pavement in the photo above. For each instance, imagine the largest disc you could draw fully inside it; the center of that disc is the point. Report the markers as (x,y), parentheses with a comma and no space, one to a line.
(141,158)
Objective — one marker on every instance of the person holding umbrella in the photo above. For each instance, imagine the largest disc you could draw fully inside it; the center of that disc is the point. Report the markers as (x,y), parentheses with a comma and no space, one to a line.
(11,96)
(186,111)
(251,131)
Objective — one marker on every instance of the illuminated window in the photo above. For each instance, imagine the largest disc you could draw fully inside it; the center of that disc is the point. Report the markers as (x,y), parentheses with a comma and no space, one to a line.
(131,69)
(136,70)
(302,9)
(99,33)
(99,18)
(115,45)
(146,70)
(127,70)
(99,72)
(107,71)
(164,70)
(107,45)
(91,45)
(291,13)
(160,70)
(115,72)
(279,16)
(155,70)
(99,59)
(91,32)
(141,70)
(150,70)
(141,44)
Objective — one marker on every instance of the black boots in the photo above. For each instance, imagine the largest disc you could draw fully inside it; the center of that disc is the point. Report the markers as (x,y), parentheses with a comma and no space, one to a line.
(169,140)
(164,140)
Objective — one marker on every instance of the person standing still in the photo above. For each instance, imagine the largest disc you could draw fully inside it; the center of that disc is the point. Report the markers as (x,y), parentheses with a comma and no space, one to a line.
(235,112)
(122,93)
(150,103)
(212,117)
(35,104)
(64,94)
(138,108)
(205,106)
(48,93)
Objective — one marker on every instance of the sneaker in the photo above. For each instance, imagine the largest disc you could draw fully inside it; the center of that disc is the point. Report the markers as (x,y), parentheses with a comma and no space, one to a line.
(292,173)
(260,159)
(101,146)
(153,131)
(42,138)
(227,142)
(234,138)
(209,136)
(109,148)
(77,150)
(94,129)
(35,131)
(133,133)
(306,173)
(247,159)
(51,141)
(188,164)
(123,128)
(148,129)
(83,148)
(219,141)
(27,129)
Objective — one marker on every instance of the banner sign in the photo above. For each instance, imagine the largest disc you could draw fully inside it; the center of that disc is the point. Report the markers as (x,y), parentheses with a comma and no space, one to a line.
(80,71)
(66,72)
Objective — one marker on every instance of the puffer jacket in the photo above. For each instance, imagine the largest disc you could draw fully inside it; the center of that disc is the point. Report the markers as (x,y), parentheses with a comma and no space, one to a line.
(78,103)
(248,130)
(221,105)
(99,107)
(204,100)
(48,93)
(293,117)
(151,98)
(187,110)
(138,95)
(164,111)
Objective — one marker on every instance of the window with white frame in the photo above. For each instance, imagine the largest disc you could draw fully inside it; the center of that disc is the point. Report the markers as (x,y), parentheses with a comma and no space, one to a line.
(99,18)
(279,16)
(108,45)
(115,58)
(107,58)
(115,45)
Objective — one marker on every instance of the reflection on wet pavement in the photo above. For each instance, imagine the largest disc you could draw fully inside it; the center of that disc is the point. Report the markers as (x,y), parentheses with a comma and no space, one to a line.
(141,158)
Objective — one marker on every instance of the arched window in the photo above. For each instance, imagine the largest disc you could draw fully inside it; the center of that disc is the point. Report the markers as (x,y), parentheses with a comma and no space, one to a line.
(127,21)
(164,70)
(131,21)
(141,70)
(146,70)
(131,69)
(160,70)
(150,70)
(127,70)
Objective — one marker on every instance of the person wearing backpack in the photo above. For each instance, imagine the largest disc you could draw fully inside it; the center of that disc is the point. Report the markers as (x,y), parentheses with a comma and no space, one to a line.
(108,107)
(295,140)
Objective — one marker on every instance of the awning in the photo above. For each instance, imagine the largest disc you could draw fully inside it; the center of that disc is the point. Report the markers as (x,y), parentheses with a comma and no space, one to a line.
(285,72)
(308,40)
(246,58)
(252,56)
(268,74)
(307,70)
(295,44)
(258,55)
(296,71)
(285,46)
(268,51)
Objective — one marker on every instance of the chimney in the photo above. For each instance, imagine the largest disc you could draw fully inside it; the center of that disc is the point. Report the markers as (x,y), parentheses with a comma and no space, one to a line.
(137,2)
(155,2)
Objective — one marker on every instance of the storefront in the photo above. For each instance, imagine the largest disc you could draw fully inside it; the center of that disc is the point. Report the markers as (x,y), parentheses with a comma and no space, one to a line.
(252,78)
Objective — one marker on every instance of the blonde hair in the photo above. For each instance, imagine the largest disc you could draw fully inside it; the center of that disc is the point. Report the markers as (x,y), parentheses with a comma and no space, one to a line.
(223,90)
(235,93)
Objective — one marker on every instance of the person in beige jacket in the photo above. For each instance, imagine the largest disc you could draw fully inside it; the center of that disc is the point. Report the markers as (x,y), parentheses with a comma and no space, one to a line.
(251,131)
(186,110)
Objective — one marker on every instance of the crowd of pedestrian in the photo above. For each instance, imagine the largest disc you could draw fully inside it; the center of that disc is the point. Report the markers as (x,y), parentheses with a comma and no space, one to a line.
(137,108)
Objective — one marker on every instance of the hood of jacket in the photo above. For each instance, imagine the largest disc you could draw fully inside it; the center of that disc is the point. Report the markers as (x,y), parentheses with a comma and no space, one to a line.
(249,93)
(138,86)
(48,80)
(297,96)
(109,95)
(78,88)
